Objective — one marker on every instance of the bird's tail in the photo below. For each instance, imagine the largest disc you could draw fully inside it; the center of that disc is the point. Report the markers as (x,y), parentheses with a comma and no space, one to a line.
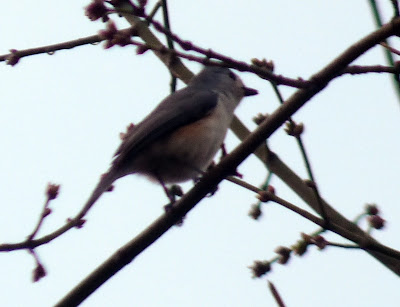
(104,184)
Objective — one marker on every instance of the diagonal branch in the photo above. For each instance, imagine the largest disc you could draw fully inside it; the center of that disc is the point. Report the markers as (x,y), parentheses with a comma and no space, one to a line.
(212,178)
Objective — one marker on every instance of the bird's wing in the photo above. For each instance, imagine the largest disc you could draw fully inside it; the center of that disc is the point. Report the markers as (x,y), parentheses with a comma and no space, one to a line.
(179,109)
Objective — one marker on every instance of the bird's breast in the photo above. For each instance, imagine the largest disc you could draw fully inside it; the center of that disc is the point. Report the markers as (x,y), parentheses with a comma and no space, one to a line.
(186,152)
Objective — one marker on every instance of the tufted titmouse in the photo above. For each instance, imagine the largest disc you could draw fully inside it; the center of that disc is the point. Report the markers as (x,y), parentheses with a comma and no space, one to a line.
(179,139)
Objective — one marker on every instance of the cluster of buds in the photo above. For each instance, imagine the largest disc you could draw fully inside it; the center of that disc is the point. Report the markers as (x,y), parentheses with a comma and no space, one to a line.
(129,129)
(114,37)
(374,219)
(52,191)
(284,254)
(38,273)
(300,248)
(13,58)
(264,196)
(260,268)
(263,64)
(259,118)
(294,129)
(97,9)
(319,241)
(79,224)
(255,211)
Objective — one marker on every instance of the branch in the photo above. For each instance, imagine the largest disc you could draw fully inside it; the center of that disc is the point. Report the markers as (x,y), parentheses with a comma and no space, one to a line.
(213,177)
(357,70)
(278,167)
(128,12)
(276,294)
(389,57)
(363,240)
(49,49)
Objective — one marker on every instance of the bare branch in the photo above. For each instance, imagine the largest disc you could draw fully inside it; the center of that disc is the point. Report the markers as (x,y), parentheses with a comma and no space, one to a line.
(213,177)
(357,69)
(50,49)
(275,294)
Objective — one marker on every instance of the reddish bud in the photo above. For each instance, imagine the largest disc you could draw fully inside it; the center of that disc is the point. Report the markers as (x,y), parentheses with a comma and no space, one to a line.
(259,118)
(96,10)
(271,189)
(186,45)
(259,268)
(264,196)
(129,129)
(80,224)
(38,273)
(122,38)
(371,209)
(300,248)
(294,129)
(13,58)
(109,32)
(255,212)
(284,254)
(319,241)
(263,64)
(52,191)
(376,221)
(46,212)
(306,237)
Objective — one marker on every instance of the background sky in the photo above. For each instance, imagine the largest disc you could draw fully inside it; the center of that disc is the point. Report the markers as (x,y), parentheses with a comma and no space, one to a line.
(60,117)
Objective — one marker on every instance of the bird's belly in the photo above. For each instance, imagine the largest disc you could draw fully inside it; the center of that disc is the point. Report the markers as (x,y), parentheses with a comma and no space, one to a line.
(184,154)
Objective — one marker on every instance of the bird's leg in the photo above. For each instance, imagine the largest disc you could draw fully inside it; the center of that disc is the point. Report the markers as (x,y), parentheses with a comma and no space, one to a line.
(175,190)
(197,179)
(171,193)
(224,154)
(170,196)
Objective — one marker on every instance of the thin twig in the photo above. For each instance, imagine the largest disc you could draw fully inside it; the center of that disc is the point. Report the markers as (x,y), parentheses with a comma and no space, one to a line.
(39,272)
(349,246)
(50,49)
(209,54)
(292,207)
(389,57)
(391,49)
(275,294)
(278,200)
(170,42)
(155,10)
(244,184)
(304,156)
(43,215)
(358,69)
(395,5)
(52,191)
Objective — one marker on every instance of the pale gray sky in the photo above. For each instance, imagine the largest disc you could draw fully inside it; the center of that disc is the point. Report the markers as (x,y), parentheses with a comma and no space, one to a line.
(60,117)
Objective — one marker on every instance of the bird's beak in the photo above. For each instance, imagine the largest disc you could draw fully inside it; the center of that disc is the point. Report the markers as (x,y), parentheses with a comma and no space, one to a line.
(249,91)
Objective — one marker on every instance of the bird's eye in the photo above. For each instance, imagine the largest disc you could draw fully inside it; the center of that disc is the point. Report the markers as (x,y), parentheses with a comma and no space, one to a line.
(232,75)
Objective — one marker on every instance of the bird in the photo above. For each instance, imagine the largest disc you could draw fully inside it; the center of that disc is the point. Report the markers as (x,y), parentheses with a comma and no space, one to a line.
(178,140)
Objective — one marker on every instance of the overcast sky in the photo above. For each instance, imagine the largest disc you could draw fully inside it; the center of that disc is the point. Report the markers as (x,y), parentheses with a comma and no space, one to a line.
(60,119)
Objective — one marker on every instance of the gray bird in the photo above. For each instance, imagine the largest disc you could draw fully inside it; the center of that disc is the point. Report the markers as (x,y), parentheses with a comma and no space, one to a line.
(178,140)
